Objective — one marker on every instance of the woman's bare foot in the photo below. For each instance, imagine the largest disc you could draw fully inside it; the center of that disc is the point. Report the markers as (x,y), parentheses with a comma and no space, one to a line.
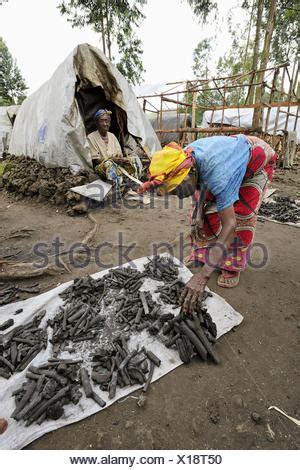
(228,279)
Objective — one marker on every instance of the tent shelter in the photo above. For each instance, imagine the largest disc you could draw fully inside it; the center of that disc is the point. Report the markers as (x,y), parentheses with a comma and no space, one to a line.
(52,123)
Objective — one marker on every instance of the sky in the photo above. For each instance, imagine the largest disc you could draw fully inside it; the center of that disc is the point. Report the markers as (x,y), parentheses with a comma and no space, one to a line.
(39,38)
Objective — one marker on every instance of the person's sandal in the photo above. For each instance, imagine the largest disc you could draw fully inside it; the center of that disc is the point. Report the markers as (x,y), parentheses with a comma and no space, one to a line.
(224,280)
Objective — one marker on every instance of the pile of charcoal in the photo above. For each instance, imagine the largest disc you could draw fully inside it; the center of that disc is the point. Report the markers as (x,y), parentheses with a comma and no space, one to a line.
(20,346)
(192,335)
(284,209)
(49,387)
(57,383)
(135,312)
(11,293)
(79,318)
(161,268)
(117,366)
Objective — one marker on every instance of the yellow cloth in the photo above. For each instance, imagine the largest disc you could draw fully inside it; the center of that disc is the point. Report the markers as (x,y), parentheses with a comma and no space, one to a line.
(164,163)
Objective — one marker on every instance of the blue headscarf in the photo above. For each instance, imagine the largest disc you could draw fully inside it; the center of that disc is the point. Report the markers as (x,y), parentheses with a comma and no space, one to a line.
(100,112)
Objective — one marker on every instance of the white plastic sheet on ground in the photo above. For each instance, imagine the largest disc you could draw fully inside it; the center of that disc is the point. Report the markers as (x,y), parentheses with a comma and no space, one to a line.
(18,435)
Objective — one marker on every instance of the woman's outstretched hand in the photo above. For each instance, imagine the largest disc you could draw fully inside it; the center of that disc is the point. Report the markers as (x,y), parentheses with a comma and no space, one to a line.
(193,293)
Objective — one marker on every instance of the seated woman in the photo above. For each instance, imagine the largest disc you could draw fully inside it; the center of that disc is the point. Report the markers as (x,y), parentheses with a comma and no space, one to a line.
(107,156)
(103,144)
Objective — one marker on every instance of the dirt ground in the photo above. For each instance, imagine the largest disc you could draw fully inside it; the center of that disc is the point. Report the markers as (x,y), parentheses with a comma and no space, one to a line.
(199,406)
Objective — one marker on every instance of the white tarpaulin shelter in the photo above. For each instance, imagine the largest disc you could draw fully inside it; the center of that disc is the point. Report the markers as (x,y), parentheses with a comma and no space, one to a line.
(7,114)
(242,117)
(53,122)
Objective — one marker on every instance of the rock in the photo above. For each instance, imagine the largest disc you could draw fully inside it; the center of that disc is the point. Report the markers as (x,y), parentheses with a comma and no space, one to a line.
(128,424)
(59,199)
(214,412)
(70,196)
(80,208)
(70,212)
(256,418)
(238,401)
(34,188)
(241,428)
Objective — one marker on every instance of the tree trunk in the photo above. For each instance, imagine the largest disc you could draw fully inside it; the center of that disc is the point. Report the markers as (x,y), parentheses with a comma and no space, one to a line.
(257,115)
(108,25)
(103,35)
(259,12)
(249,31)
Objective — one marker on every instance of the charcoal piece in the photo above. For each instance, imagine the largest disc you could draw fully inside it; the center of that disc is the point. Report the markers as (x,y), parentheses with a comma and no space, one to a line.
(18,339)
(155,327)
(86,382)
(7,363)
(113,385)
(172,340)
(98,400)
(154,311)
(166,317)
(208,323)
(62,368)
(75,394)
(13,353)
(54,411)
(57,361)
(194,324)
(144,366)
(184,348)
(25,399)
(201,350)
(150,375)
(32,376)
(153,358)
(136,374)
(101,378)
(55,376)
(208,335)
(138,317)
(44,406)
(20,310)
(49,388)
(78,314)
(4,373)
(42,418)
(35,401)
(143,325)
(6,324)
(83,338)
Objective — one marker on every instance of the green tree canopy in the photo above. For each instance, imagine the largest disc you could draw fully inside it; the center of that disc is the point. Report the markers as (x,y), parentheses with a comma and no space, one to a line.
(12,84)
(116,21)
(201,57)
